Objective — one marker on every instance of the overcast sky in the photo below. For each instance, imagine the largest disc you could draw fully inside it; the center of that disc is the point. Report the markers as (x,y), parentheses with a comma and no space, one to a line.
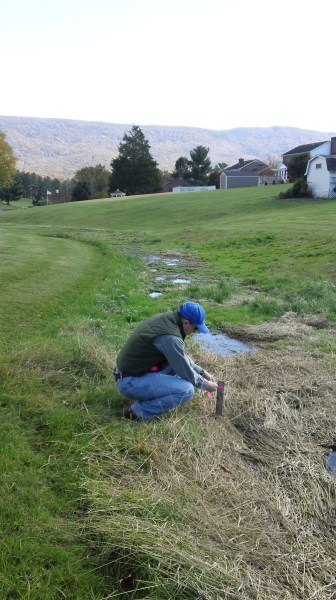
(215,64)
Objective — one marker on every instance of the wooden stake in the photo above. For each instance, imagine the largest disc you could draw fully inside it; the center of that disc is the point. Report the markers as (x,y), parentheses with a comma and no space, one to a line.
(220,398)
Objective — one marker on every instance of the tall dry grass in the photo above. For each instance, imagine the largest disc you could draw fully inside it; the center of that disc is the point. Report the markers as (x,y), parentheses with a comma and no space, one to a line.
(239,506)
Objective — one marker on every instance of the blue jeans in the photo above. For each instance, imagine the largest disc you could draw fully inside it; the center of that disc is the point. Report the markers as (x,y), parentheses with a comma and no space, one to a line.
(155,393)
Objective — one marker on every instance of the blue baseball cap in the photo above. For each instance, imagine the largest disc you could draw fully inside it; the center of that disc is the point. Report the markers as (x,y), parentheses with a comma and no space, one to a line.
(194,313)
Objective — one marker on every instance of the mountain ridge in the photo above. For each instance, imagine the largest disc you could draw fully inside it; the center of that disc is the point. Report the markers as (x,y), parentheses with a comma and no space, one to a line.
(59,147)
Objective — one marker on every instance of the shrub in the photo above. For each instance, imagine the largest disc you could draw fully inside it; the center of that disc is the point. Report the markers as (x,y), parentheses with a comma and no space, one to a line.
(299,189)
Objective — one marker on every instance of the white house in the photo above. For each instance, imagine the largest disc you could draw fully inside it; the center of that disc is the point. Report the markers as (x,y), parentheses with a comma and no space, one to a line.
(281,173)
(321,175)
(312,149)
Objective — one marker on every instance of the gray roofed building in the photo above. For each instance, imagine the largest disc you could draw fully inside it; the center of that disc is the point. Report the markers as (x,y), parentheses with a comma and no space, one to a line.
(246,173)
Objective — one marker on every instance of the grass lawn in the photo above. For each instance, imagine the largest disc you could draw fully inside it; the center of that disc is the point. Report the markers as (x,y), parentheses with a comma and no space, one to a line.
(191,507)
(22,203)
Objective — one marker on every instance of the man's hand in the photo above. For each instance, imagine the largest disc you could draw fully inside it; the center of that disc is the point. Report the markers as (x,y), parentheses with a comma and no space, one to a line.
(208,376)
(211,386)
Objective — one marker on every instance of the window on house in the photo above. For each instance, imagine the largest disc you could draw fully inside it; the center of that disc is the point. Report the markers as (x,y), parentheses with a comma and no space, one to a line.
(318,165)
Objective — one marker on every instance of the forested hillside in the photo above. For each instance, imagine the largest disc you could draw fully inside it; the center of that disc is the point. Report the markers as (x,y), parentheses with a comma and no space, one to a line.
(59,147)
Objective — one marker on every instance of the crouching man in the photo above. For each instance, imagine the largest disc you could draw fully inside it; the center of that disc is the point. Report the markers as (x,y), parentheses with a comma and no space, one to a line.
(153,368)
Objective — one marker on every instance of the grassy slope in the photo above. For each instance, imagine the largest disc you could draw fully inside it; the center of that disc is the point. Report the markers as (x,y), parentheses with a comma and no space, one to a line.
(244,236)
(41,281)
(22,203)
(66,307)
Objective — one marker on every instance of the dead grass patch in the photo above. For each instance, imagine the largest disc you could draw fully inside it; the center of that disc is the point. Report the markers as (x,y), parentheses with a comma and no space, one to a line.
(287,326)
(235,507)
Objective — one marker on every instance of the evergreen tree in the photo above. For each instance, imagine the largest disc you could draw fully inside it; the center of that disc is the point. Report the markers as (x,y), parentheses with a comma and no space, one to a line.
(134,171)
(297,166)
(221,166)
(200,165)
(35,187)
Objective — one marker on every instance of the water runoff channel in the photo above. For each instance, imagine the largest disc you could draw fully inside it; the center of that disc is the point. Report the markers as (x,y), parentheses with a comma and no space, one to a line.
(331,461)
(217,343)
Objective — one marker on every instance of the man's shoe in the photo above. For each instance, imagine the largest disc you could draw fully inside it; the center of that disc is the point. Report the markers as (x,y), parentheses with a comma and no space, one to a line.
(130,415)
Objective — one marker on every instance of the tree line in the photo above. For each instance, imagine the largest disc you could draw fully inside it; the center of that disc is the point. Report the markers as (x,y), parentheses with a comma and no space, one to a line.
(134,171)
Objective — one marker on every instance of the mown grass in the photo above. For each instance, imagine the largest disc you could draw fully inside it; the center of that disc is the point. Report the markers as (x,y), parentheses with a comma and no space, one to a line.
(22,203)
(240,236)
(190,507)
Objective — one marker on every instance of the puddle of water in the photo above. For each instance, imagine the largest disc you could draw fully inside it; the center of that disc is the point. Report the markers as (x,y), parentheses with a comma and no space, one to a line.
(180,280)
(331,462)
(149,260)
(171,262)
(220,343)
(155,294)
(176,280)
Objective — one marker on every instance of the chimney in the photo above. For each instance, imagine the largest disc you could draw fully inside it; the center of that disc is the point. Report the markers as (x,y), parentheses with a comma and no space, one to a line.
(333,145)
(241,160)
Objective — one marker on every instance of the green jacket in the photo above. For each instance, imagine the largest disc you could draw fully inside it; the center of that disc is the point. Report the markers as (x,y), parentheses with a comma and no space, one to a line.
(139,354)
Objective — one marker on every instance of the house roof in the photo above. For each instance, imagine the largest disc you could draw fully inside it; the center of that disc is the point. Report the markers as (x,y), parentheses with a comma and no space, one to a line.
(239,174)
(304,148)
(173,183)
(250,167)
(244,163)
(268,171)
(331,163)
(239,165)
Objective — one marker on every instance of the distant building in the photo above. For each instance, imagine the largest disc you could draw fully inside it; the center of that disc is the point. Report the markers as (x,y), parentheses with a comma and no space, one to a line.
(321,173)
(321,166)
(321,176)
(117,194)
(247,173)
(311,149)
(282,173)
(168,187)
